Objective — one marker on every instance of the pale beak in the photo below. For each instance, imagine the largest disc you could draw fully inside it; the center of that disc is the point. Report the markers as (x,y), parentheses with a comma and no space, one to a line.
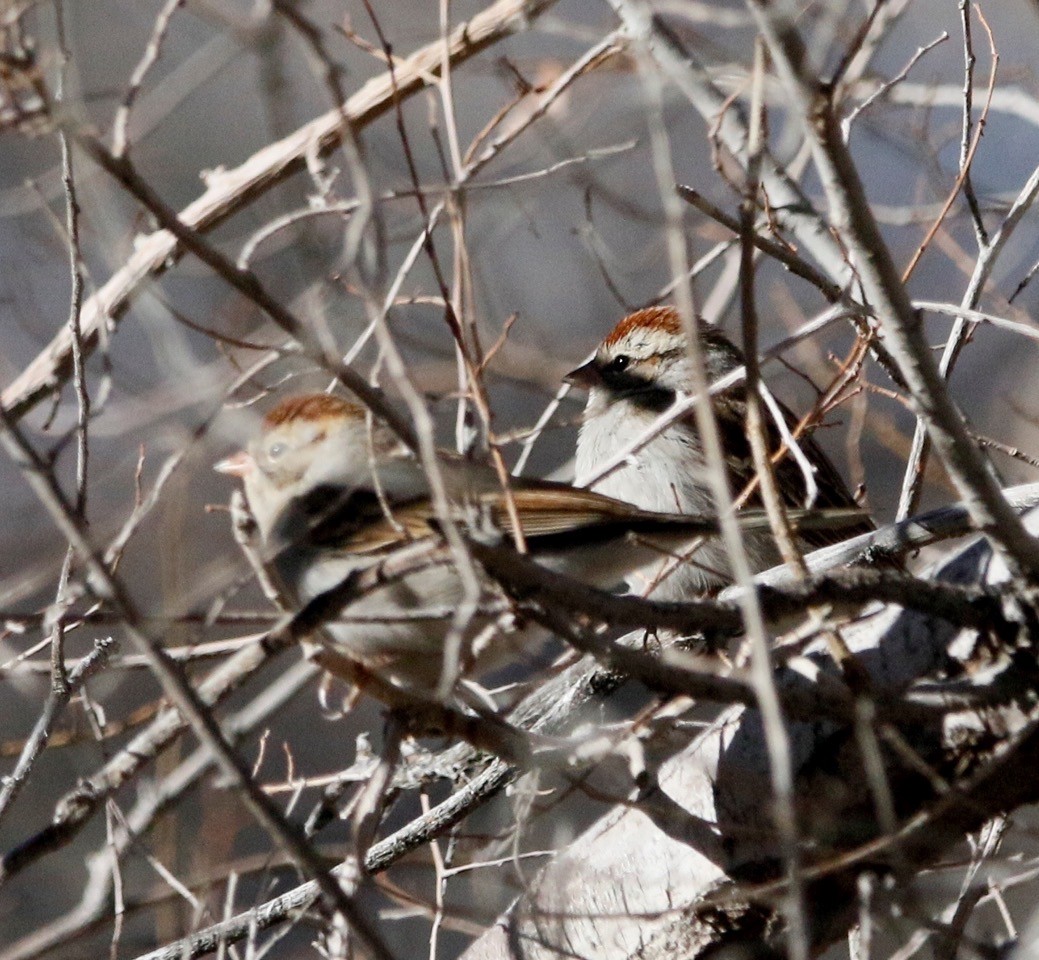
(585,376)
(239,464)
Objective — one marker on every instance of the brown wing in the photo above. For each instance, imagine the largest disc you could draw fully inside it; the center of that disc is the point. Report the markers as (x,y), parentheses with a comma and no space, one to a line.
(833,492)
(407,523)
(551,514)
(547,510)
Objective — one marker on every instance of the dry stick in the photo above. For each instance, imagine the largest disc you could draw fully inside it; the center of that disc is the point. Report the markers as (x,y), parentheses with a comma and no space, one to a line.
(57,700)
(756,424)
(120,141)
(901,538)
(112,728)
(979,316)
(778,251)
(888,14)
(770,493)
(350,142)
(969,61)
(970,891)
(63,684)
(852,50)
(912,482)
(230,190)
(338,208)
(244,281)
(467,373)
(847,592)
(947,521)
(72,211)
(885,87)
(900,323)
(380,855)
(75,808)
(962,329)
(174,684)
(246,535)
(958,185)
(1016,101)
(94,904)
(797,266)
(480,727)
(371,803)
(776,735)
(187,653)
(470,370)
(1015,453)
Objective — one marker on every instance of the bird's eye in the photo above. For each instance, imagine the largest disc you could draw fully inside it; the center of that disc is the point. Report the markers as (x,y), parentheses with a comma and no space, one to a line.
(275,450)
(619,364)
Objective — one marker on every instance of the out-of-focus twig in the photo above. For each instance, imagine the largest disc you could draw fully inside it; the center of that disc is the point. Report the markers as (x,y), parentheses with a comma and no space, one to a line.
(884,290)
(175,685)
(58,698)
(229,190)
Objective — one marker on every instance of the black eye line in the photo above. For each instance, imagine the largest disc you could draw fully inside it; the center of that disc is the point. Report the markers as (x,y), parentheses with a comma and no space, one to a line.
(626,383)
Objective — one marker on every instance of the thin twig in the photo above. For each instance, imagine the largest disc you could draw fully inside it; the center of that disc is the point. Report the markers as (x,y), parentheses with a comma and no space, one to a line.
(229,190)
(120,125)
(176,686)
(12,783)
(966,465)
(886,87)
(776,735)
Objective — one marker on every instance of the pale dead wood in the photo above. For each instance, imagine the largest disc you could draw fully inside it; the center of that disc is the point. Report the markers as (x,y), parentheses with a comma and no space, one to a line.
(227,191)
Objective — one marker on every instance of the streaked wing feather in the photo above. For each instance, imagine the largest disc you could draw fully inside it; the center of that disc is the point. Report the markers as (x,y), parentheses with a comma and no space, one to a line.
(411,522)
(547,509)
(833,492)
(550,509)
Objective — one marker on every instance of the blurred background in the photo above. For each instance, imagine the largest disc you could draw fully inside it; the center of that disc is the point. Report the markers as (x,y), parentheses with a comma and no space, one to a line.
(552,243)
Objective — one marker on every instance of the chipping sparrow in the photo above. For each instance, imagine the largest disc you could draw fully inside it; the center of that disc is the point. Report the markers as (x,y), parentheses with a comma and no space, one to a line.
(334,492)
(632,378)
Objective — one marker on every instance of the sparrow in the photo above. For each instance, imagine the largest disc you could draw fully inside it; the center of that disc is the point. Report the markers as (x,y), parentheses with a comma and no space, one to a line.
(633,377)
(335,493)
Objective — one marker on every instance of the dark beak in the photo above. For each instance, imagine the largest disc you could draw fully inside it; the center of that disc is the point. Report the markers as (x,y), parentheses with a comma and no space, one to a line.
(585,376)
